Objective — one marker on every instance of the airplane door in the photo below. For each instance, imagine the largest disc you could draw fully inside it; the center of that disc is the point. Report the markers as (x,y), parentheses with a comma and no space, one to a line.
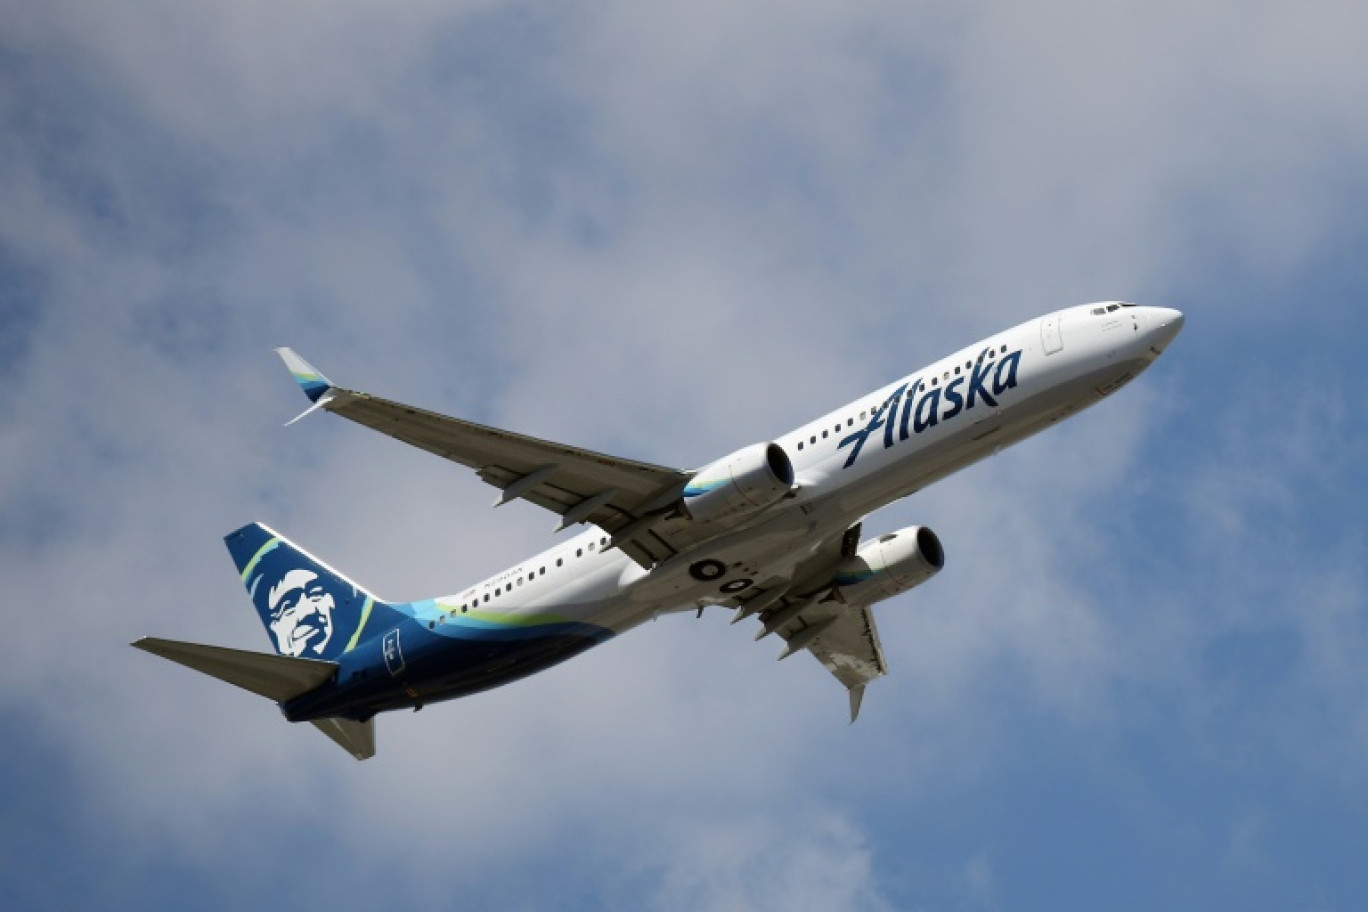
(1050,337)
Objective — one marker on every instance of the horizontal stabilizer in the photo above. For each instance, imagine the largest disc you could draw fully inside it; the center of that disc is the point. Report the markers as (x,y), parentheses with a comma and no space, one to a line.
(275,677)
(356,738)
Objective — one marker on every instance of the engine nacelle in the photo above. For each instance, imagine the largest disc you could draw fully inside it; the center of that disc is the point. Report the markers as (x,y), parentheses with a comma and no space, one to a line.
(747,481)
(890,564)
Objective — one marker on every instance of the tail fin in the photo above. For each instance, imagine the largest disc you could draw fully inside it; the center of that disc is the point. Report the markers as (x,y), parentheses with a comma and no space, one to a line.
(309,609)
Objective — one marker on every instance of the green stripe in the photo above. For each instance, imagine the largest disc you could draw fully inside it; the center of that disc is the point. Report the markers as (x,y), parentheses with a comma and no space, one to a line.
(365,616)
(256,558)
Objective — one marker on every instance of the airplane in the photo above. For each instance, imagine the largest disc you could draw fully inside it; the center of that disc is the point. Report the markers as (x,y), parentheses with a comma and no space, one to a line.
(772,531)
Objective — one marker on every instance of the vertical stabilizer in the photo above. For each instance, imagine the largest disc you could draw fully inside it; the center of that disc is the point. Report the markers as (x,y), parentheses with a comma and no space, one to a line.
(309,609)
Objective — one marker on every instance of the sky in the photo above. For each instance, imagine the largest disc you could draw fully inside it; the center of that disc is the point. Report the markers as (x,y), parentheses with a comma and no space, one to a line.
(667,231)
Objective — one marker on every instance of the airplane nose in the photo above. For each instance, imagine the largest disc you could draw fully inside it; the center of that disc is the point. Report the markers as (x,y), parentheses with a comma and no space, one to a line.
(1164,323)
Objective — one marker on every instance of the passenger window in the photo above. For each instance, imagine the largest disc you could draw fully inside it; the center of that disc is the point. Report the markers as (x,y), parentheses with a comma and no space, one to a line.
(603,541)
(850,422)
(825,434)
(579,552)
(559,561)
(862,416)
(813,439)
(956,370)
(800,444)
(486,598)
(935,382)
(1004,349)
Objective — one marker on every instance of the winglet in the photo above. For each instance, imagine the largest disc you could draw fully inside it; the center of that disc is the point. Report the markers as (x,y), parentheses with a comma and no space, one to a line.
(313,383)
(856,698)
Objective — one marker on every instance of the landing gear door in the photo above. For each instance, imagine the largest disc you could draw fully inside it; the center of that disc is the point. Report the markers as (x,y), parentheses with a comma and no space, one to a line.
(1050,337)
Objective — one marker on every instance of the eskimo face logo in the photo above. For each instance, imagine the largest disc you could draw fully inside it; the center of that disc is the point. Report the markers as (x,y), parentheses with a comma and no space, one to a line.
(937,403)
(301,613)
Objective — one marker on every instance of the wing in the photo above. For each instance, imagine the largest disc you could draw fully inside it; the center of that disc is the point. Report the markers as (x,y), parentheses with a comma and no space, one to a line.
(843,638)
(628,499)
(849,648)
(810,614)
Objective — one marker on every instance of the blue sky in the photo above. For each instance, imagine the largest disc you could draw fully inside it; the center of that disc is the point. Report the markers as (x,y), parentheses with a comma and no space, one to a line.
(668,232)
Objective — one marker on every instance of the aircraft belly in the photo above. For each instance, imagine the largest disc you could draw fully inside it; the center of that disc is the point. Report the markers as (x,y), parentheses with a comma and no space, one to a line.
(748,553)
(464,667)
(418,666)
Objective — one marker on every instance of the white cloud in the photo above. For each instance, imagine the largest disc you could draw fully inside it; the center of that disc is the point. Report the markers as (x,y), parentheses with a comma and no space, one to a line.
(809,860)
(666,233)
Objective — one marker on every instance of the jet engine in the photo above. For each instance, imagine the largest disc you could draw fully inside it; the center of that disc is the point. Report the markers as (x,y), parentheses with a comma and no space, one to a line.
(893,563)
(747,481)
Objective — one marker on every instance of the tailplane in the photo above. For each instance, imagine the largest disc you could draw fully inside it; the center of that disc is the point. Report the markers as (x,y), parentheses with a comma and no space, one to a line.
(356,738)
(274,677)
(278,678)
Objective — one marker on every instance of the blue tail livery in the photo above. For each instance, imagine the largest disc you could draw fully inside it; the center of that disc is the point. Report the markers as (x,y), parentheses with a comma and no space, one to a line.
(310,610)
(771,531)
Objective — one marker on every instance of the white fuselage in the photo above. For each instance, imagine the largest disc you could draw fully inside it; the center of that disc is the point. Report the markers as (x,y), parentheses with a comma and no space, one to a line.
(848,463)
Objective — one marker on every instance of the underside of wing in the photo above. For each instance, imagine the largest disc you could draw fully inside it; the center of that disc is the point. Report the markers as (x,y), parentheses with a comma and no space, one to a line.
(630,500)
(849,648)
(842,637)
(617,495)
(808,613)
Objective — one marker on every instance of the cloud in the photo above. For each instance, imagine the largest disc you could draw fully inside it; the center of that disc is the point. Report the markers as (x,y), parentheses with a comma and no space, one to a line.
(667,233)
(812,861)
